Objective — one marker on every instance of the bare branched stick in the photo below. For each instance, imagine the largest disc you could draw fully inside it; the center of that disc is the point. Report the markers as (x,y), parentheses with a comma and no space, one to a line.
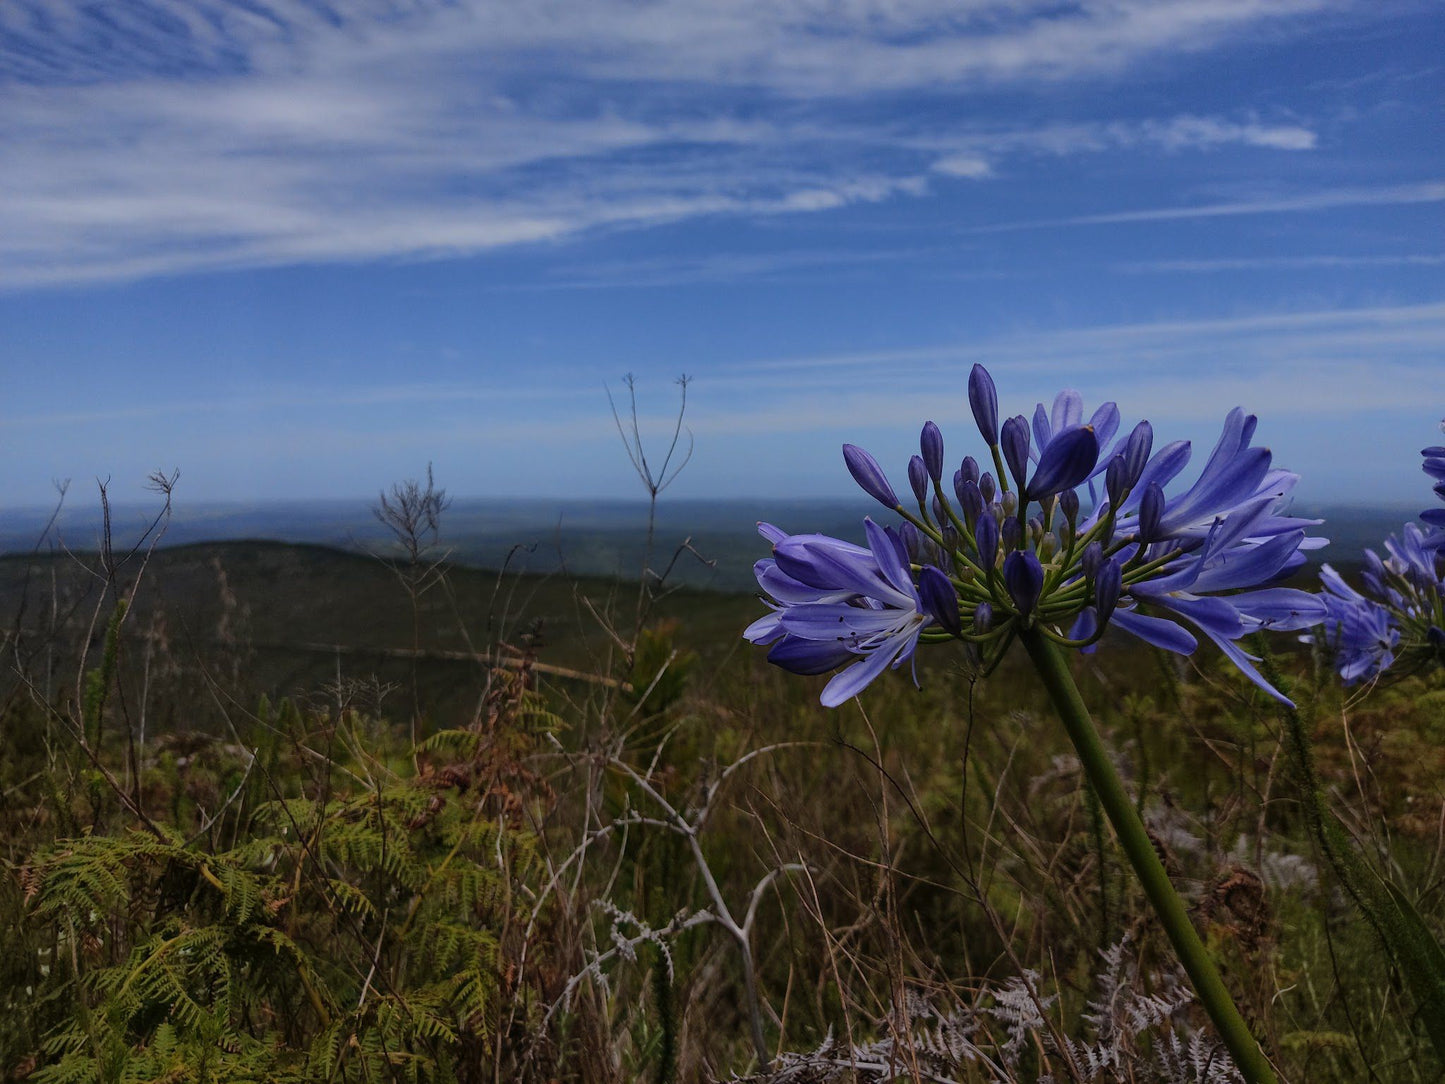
(412,512)
(741,932)
(631,434)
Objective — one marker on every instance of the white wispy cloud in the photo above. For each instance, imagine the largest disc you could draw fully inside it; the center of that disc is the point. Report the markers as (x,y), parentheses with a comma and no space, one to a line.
(1384,196)
(1320,261)
(1329,361)
(163,136)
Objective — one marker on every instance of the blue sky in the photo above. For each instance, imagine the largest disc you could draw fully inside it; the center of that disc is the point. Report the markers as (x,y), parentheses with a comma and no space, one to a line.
(299,249)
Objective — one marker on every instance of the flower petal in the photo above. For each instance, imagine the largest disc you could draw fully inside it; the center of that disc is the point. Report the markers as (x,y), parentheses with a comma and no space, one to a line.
(1065,463)
(808,656)
(1156,631)
(857,677)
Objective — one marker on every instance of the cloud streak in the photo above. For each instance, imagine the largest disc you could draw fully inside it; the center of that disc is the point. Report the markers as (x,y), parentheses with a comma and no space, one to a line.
(1328,200)
(167,136)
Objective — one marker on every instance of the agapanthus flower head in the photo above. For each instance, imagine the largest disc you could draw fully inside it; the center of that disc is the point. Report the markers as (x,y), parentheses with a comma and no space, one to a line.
(1040,547)
(1396,621)
(1360,632)
(1434,456)
(840,605)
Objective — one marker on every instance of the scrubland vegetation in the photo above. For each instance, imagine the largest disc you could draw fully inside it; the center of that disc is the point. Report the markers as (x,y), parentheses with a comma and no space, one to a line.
(275,813)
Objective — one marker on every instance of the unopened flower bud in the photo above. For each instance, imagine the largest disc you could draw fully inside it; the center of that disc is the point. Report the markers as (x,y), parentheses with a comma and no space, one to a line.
(869,475)
(982,617)
(983,400)
(1066,462)
(952,543)
(987,486)
(1048,545)
(1151,511)
(985,536)
(1023,576)
(1136,452)
(940,599)
(1069,505)
(970,468)
(918,477)
(1011,533)
(930,443)
(1010,502)
(1014,439)
(1091,559)
(1116,482)
(912,542)
(1107,586)
(970,502)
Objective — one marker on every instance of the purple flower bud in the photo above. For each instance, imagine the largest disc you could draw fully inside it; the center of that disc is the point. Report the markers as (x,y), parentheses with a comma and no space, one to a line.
(940,599)
(1011,533)
(1434,466)
(985,535)
(1091,559)
(930,442)
(937,506)
(1151,511)
(1066,462)
(1373,563)
(970,468)
(1036,526)
(1116,481)
(971,503)
(982,617)
(869,475)
(918,477)
(983,399)
(952,543)
(1107,585)
(1014,439)
(1136,453)
(912,542)
(1435,451)
(1009,502)
(987,486)
(1023,576)
(1069,505)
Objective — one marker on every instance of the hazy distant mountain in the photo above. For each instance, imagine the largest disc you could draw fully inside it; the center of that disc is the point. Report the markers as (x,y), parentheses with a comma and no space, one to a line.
(588,537)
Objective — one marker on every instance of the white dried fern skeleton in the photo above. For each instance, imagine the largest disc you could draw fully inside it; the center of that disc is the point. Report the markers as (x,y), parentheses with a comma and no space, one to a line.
(1137,1031)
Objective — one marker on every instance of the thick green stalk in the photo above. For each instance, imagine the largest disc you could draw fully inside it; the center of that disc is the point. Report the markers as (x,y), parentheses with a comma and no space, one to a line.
(1134,840)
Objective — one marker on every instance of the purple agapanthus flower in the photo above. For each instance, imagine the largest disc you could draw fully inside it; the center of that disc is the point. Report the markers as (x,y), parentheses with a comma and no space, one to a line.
(1361,633)
(842,605)
(1434,466)
(1039,544)
(1399,617)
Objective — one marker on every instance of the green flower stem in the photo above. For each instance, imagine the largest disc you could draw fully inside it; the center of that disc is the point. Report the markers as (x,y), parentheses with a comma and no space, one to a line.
(1133,838)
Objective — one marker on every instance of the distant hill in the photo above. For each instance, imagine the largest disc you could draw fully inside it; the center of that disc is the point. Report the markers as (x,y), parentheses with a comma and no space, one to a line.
(586,537)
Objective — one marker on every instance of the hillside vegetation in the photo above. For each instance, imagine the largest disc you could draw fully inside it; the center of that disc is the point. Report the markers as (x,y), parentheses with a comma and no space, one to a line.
(264,820)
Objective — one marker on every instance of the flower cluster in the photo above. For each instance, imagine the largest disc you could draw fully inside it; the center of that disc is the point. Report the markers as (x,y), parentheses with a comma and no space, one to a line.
(1071,532)
(1400,615)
